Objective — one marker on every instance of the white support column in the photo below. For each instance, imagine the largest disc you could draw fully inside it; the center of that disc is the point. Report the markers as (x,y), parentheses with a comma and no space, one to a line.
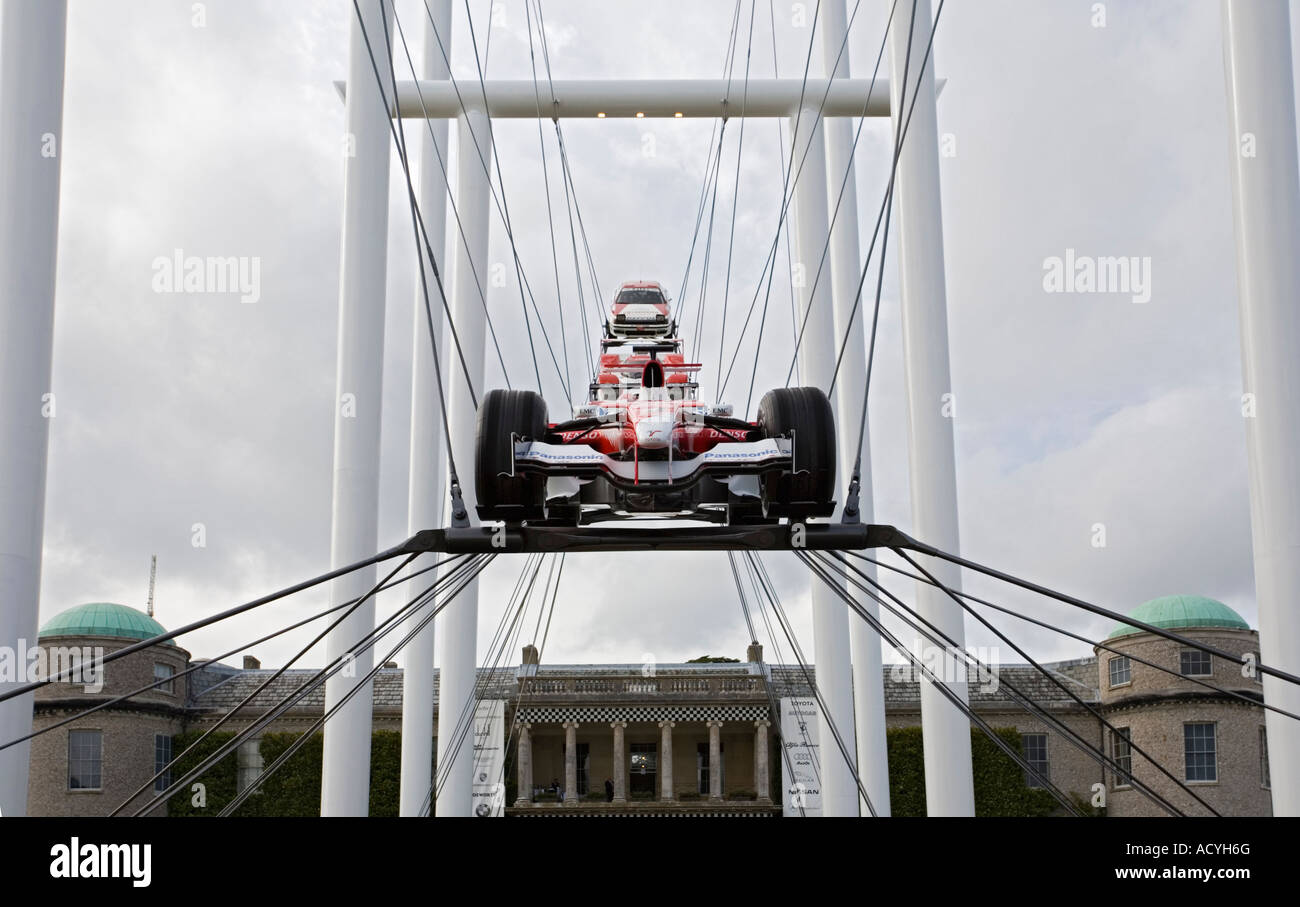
(846,270)
(949,789)
(715,760)
(1266,212)
(666,791)
(459,630)
(817,362)
(31,148)
(345,774)
(427,497)
(571,796)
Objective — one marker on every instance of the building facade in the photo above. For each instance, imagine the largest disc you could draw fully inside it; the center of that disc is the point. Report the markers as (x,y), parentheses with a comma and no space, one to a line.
(696,738)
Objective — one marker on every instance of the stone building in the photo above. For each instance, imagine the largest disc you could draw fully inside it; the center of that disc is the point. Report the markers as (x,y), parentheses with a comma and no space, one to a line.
(698,738)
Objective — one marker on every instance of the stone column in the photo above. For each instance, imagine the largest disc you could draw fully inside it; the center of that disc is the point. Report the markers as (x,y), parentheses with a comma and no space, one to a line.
(620,762)
(524,756)
(762,783)
(715,760)
(666,760)
(570,763)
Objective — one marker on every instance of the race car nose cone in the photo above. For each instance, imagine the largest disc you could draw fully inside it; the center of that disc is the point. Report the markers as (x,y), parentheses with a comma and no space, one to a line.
(654,434)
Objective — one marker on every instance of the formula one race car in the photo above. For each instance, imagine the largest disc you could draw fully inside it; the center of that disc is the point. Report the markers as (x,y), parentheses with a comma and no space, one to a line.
(644,445)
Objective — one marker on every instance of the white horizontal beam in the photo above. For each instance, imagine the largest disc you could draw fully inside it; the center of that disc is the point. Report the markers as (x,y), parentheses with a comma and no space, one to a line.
(649,98)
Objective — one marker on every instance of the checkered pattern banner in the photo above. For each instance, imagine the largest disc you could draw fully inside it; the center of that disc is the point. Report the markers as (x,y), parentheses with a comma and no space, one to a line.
(631,713)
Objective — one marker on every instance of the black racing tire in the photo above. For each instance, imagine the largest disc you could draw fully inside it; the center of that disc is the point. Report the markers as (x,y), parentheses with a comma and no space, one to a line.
(808,489)
(504,416)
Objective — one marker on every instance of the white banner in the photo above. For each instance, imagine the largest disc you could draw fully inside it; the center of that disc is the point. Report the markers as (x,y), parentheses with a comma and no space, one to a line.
(490,758)
(801,761)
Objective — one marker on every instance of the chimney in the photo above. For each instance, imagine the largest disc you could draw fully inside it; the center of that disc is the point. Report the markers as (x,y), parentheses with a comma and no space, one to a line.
(251,663)
(754,653)
(531,656)
(390,666)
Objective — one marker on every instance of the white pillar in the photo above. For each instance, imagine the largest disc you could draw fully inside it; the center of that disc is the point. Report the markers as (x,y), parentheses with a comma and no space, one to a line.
(571,796)
(524,760)
(949,789)
(31,147)
(817,362)
(345,773)
(1266,212)
(620,761)
(715,760)
(428,467)
(666,791)
(459,630)
(846,271)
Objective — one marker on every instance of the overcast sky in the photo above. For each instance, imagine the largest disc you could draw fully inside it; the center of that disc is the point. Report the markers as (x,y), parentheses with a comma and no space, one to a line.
(1072,409)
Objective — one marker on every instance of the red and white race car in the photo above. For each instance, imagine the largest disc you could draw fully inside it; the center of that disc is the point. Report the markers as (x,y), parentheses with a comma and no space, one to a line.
(643,444)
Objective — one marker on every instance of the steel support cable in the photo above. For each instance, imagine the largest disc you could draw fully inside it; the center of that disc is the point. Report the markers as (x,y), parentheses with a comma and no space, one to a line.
(289,700)
(749,624)
(519,693)
(455,211)
(893,171)
(735,192)
(952,697)
(728,67)
(275,675)
(297,744)
(497,648)
(466,713)
(937,636)
(774,708)
(564,159)
(550,217)
(199,665)
(143,644)
(400,143)
(1055,680)
(502,210)
(1234,694)
(764,587)
(827,720)
(505,205)
(695,233)
(960,561)
(849,757)
(789,184)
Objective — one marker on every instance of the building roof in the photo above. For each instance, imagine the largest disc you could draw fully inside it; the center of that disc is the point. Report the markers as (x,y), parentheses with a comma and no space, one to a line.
(102,619)
(1173,612)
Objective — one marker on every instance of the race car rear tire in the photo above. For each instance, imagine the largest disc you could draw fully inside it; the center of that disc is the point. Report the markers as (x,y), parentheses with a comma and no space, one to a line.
(808,489)
(503,417)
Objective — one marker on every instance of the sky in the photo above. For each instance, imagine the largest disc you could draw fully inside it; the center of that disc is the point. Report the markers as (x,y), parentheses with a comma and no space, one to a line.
(216,129)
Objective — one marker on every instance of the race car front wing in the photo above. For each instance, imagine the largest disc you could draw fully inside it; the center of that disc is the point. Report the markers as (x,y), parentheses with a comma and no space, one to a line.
(736,458)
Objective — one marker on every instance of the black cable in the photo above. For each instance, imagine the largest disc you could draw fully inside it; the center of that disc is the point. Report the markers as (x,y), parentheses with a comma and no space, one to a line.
(1235,694)
(938,684)
(199,665)
(938,636)
(208,621)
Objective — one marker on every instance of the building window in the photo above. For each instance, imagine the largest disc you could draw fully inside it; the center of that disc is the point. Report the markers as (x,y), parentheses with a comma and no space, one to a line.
(645,763)
(1199,751)
(85,760)
(1264,778)
(1121,671)
(162,758)
(1194,663)
(584,769)
(1121,750)
(1035,747)
(162,672)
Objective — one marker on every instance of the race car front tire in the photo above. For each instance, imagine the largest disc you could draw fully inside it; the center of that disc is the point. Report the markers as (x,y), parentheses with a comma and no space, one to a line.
(505,416)
(804,415)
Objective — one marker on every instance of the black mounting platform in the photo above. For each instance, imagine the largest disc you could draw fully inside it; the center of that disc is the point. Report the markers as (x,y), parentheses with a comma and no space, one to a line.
(782,537)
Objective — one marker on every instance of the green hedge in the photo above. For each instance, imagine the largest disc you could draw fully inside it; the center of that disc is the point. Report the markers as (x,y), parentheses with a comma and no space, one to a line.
(1000,788)
(294,789)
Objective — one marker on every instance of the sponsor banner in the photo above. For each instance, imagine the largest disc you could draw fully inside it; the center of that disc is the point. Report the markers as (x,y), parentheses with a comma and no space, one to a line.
(801,761)
(490,758)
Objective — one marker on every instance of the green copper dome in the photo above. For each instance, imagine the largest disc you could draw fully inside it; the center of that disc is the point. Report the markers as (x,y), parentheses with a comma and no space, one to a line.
(102,619)
(1177,612)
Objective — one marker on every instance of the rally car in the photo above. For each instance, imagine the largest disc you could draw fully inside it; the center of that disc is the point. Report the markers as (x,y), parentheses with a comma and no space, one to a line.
(640,310)
(643,444)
